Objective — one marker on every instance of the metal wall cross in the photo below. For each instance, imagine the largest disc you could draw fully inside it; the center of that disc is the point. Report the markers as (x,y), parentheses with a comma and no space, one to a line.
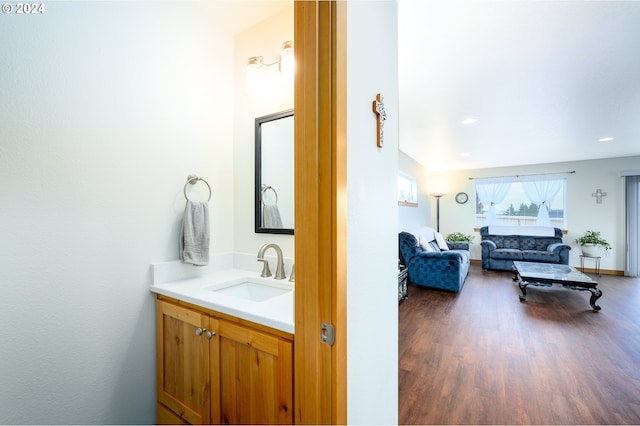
(599,194)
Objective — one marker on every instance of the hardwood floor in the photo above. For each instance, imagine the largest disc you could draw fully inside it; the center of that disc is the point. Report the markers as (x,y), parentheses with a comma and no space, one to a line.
(484,357)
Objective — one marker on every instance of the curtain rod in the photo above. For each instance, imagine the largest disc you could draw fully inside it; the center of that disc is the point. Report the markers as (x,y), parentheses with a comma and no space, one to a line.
(517,176)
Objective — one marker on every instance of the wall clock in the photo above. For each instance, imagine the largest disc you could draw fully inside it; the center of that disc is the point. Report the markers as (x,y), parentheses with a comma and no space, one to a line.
(462,197)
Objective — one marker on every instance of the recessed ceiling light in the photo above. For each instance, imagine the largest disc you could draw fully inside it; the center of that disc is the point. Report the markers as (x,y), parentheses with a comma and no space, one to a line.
(469,120)
(464,154)
(607,139)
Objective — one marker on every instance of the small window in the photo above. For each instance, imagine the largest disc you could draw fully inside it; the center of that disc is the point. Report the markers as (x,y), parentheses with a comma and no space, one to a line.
(407,191)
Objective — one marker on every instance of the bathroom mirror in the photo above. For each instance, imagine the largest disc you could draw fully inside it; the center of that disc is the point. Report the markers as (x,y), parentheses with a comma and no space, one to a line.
(274,173)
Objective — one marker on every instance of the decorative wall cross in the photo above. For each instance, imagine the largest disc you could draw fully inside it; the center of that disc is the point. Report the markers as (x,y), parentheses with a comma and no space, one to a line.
(381,116)
(599,194)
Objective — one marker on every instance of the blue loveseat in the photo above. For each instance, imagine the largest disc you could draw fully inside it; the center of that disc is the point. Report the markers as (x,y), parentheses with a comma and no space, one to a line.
(431,267)
(502,245)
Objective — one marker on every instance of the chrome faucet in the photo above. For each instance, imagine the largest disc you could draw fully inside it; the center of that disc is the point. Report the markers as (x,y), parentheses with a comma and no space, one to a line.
(266,272)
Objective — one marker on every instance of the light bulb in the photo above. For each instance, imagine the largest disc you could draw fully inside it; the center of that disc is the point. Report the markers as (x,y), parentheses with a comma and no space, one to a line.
(254,75)
(287,60)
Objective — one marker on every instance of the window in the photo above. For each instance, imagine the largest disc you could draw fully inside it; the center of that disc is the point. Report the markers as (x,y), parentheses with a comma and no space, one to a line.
(521,202)
(407,191)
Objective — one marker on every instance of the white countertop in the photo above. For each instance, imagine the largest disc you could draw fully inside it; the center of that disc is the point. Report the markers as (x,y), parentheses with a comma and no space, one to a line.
(276,312)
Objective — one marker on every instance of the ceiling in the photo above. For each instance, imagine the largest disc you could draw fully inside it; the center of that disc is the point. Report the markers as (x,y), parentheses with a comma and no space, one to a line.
(544,79)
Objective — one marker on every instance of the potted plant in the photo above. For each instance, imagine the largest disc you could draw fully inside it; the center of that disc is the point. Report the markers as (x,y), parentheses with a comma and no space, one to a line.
(459,237)
(592,244)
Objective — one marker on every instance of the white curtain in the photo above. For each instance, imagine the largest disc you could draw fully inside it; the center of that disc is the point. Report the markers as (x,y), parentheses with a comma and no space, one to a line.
(633,225)
(492,193)
(542,192)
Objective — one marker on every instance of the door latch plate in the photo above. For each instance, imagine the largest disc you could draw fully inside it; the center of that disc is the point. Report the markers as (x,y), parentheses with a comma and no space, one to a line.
(327,333)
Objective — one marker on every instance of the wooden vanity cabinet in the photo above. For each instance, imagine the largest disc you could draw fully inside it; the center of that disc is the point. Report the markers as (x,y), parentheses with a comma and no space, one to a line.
(230,372)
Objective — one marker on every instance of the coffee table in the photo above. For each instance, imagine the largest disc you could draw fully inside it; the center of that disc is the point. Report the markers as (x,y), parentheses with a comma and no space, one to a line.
(547,274)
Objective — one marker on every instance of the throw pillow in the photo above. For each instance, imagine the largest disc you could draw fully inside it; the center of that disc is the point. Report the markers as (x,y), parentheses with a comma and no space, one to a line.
(425,245)
(441,242)
(434,246)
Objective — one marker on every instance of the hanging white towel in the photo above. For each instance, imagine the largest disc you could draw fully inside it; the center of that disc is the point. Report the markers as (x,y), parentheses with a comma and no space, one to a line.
(194,234)
(271,216)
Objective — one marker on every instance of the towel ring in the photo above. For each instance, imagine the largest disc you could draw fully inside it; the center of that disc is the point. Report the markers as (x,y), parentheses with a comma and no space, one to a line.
(264,189)
(193,179)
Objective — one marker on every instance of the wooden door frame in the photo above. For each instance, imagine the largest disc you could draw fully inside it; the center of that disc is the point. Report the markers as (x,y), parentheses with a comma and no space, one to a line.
(320,370)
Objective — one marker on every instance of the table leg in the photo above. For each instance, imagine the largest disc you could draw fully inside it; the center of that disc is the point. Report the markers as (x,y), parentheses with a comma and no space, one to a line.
(596,294)
(522,284)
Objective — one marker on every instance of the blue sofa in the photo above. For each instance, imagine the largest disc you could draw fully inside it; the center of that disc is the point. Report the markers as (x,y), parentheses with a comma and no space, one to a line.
(502,245)
(440,269)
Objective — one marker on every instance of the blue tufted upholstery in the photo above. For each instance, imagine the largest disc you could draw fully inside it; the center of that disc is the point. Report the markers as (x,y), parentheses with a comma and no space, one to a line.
(499,251)
(445,270)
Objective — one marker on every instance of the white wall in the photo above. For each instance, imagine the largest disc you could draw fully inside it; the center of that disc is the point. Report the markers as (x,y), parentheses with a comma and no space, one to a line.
(582,211)
(414,217)
(106,107)
(372,220)
(264,39)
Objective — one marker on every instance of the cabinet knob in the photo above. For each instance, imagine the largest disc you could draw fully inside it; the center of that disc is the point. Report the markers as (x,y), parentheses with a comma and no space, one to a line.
(210,335)
(199,331)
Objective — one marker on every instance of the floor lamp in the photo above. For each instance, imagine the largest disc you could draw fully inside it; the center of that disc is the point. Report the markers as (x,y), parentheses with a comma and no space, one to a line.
(438,196)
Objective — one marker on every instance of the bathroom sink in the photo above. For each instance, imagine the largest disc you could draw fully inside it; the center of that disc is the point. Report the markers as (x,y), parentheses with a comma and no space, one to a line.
(253,289)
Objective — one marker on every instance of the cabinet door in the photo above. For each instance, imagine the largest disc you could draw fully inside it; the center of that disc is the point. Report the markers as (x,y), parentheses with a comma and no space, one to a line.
(183,359)
(168,417)
(256,376)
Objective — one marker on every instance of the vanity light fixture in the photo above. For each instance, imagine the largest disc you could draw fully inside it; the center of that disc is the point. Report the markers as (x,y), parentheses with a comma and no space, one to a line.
(285,64)
(607,139)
